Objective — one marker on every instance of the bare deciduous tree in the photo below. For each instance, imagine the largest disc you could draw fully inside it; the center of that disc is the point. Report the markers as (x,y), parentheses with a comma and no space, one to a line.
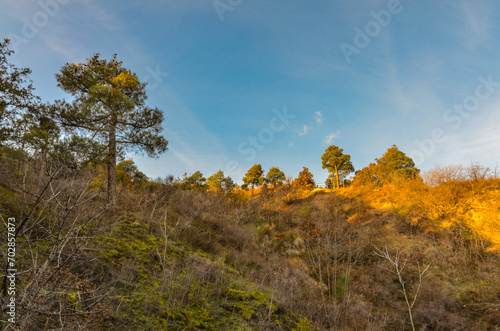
(58,213)
(397,267)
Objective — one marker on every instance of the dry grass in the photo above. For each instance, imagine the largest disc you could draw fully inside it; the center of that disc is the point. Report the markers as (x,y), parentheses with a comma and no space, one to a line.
(169,258)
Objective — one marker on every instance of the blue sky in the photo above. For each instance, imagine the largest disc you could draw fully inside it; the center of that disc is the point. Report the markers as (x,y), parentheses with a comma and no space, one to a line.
(423,75)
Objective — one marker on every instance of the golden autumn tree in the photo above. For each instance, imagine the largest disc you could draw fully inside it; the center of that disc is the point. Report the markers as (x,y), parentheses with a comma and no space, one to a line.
(304,180)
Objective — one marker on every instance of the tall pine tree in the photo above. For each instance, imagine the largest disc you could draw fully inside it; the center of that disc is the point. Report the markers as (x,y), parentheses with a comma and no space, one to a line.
(109,106)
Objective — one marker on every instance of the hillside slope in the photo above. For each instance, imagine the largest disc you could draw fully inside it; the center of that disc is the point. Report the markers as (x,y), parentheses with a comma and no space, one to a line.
(168,258)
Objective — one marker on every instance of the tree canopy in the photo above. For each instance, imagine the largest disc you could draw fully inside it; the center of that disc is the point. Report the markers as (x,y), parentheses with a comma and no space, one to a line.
(254,176)
(275,176)
(393,164)
(305,180)
(109,106)
(196,180)
(219,183)
(16,93)
(395,161)
(336,162)
(367,175)
(129,174)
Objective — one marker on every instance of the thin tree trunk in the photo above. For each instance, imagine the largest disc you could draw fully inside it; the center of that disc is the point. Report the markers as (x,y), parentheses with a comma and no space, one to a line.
(337,174)
(20,159)
(112,161)
(43,158)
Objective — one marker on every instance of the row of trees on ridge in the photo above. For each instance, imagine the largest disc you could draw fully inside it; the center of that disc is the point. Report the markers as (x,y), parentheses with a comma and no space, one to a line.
(393,165)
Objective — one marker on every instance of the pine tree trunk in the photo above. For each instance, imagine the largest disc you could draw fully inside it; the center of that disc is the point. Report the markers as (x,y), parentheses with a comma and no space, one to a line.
(338,179)
(112,161)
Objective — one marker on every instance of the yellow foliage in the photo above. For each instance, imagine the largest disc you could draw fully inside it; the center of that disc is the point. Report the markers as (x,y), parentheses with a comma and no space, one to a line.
(98,182)
(475,204)
(483,216)
(126,79)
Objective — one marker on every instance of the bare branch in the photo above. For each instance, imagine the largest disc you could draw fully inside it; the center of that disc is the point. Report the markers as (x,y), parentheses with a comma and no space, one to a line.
(398,267)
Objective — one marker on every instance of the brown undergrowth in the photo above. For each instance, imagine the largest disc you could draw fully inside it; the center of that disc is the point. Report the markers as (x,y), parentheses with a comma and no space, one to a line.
(284,259)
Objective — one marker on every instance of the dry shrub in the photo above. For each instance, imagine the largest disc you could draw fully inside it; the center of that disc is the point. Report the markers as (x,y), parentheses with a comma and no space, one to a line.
(205,270)
(296,291)
(58,211)
(458,173)
(437,309)
(445,174)
(295,195)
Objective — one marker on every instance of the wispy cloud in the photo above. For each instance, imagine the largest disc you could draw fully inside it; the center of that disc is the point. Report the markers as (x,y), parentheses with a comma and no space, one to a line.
(187,161)
(62,46)
(329,139)
(318,117)
(100,14)
(477,20)
(304,131)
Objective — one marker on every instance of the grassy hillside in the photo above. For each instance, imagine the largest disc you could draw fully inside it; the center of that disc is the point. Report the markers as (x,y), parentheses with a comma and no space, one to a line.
(172,258)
